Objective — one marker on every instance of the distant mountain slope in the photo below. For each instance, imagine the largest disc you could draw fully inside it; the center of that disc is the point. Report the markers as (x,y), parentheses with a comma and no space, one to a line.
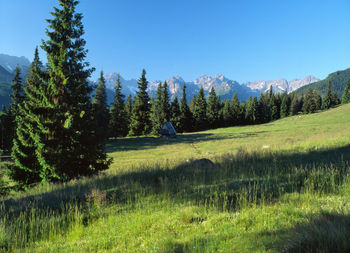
(338,82)
(11,62)
(5,76)
(5,91)
(281,85)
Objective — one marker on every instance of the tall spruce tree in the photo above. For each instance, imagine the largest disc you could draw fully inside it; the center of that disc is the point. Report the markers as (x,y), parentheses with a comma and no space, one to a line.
(6,129)
(200,111)
(310,103)
(327,99)
(128,109)
(295,105)
(166,111)
(118,125)
(175,117)
(140,123)
(186,114)
(345,98)
(213,108)
(17,94)
(227,113)
(285,105)
(100,109)
(26,170)
(264,109)
(157,110)
(236,110)
(67,145)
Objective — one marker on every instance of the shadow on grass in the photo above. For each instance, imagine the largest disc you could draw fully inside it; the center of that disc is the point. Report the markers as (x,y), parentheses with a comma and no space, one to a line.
(327,232)
(234,182)
(140,143)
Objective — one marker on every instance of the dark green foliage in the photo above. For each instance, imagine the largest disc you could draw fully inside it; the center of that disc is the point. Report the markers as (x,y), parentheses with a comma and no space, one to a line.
(227,114)
(200,111)
(264,110)
(140,123)
(251,110)
(335,99)
(345,98)
(65,140)
(285,105)
(17,95)
(128,108)
(312,101)
(119,113)
(186,119)
(295,105)
(213,108)
(7,126)
(175,114)
(100,110)
(275,105)
(26,170)
(236,110)
(160,112)
(338,80)
(327,99)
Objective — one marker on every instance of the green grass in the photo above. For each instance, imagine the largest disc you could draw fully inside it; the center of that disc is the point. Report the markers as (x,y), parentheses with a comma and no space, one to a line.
(281,186)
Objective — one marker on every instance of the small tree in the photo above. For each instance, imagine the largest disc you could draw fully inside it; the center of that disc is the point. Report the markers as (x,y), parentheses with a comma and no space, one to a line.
(186,119)
(100,110)
(213,109)
(200,111)
(118,125)
(140,123)
(175,114)
(345,98)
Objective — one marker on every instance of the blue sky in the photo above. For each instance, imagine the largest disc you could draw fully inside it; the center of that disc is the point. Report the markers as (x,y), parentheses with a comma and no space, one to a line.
(244,40)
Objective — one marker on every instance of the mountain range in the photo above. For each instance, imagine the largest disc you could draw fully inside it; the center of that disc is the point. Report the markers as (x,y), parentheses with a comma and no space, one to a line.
(223,86)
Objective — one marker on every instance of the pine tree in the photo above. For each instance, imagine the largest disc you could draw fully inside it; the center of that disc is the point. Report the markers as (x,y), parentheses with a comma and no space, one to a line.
(128,109)
(166,111)
(309,105)
(17,95)
(200,111)
(186,114)
(227,113)
(157,110)
(285,105)
(295,105)
(140,123)
(67,145)
(255,111)
(236,110)
(26,170)
(249,118)
(274,107)
(264,108)
(118,125)
(327,99)
(100,109)
(335,99)
(345,98)
(213,109)
(7,126)
(175,114)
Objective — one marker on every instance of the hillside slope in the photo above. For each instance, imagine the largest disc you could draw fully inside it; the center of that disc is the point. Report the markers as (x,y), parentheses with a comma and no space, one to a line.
(338,81)
(271,188)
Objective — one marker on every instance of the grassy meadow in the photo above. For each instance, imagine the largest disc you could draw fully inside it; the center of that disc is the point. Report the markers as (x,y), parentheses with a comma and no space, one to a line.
(283,186)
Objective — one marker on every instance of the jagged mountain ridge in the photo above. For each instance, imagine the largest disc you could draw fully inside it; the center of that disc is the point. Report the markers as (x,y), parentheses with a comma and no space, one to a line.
(223,86)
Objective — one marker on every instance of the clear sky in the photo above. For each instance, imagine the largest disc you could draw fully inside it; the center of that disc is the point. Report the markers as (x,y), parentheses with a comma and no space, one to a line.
(244,40)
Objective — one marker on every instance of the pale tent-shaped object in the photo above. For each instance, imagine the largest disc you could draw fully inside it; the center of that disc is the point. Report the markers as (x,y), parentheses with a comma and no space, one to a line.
(167,130)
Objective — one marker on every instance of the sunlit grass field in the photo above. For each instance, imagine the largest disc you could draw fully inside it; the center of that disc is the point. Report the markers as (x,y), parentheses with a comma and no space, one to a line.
(278,187)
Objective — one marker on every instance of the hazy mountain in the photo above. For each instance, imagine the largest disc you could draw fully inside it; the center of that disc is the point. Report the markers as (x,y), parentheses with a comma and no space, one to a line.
(337,79)
(281,85)
(11,62)
(223,86)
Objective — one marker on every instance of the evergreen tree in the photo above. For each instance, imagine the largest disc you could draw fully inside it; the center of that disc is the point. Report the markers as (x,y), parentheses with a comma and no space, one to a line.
(165,108)
(140,123)
(345,98)
(27,167)
(255,107)
(128,109)
(274,107)
(227,113)
(100,109)
(335,99)
(157,110)
(309,105)
(318,100)
(295,105)
(7,126)
(66,143)
(175,114)
(186,115)
(17,95)
(192,104)
(249,119)
(118,124)
(200,111)
(213,108)
(236,110)
(285,105)
(327,99)
(264,109)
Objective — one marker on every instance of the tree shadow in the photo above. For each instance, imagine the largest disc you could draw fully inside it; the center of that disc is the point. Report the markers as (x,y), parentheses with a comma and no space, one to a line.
(141,143)
(235,181)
